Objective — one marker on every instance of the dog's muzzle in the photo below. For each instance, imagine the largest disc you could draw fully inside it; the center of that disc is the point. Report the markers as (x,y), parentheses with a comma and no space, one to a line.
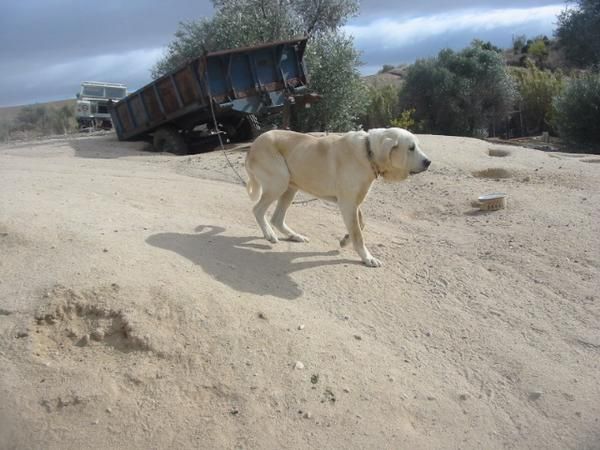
(425,166)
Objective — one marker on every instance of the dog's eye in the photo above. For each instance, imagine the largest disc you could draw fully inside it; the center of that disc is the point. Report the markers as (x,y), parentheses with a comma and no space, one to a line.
(412,147)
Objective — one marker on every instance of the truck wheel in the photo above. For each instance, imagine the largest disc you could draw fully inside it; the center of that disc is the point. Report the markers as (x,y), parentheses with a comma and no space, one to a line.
(249,129)
(168,139)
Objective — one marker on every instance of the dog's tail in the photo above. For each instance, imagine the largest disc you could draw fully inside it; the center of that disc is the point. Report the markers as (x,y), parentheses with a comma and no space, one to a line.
(253,186)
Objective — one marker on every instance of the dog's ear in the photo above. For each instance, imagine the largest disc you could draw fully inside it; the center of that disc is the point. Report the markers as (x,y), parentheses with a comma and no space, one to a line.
(387,144)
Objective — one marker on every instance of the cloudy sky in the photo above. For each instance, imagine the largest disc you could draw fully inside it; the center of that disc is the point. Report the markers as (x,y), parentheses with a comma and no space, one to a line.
(47,47)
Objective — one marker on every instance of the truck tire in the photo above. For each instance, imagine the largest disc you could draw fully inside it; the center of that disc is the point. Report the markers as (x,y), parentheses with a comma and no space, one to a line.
(249,128)
(168,139)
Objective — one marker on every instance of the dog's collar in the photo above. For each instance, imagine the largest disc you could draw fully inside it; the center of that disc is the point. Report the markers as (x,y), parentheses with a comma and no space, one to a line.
(371,158)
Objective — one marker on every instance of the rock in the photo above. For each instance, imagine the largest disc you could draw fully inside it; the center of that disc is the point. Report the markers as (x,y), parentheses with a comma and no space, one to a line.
(301,326)
(346,390)
(534,395)
(314,379)
(84,341)
(463,397)
(22,334)
(105,250)
(307,415)
(427,333)
(97,334)
(299,365)
(430,397)
(262,315)
(358,337)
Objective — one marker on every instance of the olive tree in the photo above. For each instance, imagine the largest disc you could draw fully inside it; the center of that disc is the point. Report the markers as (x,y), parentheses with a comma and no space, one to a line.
(578,33)
(459,93)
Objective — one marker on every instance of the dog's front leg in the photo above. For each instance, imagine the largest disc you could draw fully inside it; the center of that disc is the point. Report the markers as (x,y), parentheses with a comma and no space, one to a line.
(346,239)
(350,213)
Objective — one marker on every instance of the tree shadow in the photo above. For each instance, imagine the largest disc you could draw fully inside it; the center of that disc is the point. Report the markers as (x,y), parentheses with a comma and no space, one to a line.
(243,265)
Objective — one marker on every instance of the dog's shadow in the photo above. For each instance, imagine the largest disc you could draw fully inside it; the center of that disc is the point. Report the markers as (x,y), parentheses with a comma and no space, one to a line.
(241,264)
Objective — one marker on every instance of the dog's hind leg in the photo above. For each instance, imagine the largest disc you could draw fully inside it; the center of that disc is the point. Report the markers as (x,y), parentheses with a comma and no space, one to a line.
(346,239)
(274,181)
(278,219)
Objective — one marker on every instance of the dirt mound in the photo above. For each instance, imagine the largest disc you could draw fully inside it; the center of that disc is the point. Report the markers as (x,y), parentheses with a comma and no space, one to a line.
(494,173)
(85,319)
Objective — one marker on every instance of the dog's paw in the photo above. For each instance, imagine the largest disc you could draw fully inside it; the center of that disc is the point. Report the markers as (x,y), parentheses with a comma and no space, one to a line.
(272,239)
(372,262)
(298,238)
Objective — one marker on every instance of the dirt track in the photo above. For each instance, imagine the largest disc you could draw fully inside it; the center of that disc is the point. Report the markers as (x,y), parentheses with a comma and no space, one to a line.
(139,307)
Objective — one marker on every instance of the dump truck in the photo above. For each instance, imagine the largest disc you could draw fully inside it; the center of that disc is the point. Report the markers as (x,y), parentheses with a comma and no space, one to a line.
(235,88)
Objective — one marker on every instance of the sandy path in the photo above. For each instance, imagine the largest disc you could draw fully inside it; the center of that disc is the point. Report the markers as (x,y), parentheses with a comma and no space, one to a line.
(139,307)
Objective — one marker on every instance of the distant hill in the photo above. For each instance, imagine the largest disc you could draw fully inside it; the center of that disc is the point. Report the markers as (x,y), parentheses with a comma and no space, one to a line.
(394,77)
(8,113)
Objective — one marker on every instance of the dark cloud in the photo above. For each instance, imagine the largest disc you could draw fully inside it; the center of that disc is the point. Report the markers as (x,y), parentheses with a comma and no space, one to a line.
(384,8)
(47,47)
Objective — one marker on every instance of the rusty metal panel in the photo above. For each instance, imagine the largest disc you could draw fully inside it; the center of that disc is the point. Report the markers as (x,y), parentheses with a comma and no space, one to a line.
(152,105)
(137,110)
(167,95)
(124,117)
(187,86)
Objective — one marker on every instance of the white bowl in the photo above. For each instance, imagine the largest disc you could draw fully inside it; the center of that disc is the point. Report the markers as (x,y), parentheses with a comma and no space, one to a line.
(492,202)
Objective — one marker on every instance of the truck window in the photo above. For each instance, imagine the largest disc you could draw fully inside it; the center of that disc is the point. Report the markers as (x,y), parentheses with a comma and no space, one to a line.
(93,91)
(113,92)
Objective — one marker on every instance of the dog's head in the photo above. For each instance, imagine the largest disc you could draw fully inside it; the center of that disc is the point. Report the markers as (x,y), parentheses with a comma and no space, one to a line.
(397,153)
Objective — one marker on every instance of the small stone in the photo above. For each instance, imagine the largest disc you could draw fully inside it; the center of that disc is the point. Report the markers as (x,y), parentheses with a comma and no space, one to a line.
(430,397)
(307,415)
(105,250)
(22,334)
(346,390)
(299,365)
(427,333)
(358,337)
(234,412)
(534,395)
(84,341)
(97,334)
(95,422)
(109,411)
(301,326)
(463,397)
(314,379)
(262,315)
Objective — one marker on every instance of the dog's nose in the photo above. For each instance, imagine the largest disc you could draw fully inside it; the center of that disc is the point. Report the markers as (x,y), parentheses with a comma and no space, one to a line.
(427,163)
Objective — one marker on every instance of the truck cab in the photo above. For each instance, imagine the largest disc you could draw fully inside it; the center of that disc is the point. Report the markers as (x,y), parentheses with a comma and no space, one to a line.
(93,99)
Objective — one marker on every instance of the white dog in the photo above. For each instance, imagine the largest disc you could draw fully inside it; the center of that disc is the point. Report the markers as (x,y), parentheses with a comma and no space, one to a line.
(336,168)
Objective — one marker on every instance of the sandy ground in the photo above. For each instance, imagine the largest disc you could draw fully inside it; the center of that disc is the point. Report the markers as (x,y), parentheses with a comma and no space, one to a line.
(140,308)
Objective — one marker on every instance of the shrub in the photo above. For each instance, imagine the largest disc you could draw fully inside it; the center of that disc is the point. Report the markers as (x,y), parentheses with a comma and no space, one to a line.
(577,110)
(537,89)
(382,106)
(459,93)
(406,120)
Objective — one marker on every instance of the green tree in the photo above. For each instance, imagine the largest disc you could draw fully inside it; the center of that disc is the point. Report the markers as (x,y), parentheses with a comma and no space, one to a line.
(537,89)
(238,23)
(539,51)
(578,33)
(382,106)
(577,110)
(459,93)
(333,62)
